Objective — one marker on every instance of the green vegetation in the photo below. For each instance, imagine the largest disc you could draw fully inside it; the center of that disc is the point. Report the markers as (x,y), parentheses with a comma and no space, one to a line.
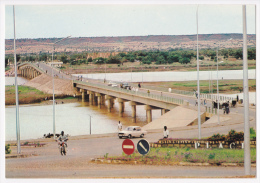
(23,90)
(7,149)
(174,154)
(170,56)
(224,86)
(27,95)
(200,155)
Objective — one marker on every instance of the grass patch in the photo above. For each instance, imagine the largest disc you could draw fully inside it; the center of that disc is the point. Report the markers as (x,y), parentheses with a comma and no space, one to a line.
(27,95)
(174,154)
(225,86)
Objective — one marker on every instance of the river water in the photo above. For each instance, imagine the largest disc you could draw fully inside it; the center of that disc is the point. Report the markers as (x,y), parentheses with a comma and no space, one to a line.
(74,119)
(170,75)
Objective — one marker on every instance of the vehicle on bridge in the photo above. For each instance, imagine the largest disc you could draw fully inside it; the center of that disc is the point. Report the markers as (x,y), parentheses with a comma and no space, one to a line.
(132,131)
(125,86)
(113,84)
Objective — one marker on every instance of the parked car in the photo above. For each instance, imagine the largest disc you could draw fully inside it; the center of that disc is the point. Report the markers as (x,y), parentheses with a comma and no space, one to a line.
(132,131)
(113,84)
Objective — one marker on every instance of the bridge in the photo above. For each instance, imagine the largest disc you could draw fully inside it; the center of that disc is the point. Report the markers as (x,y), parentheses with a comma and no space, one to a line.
(29,70)
(98,93)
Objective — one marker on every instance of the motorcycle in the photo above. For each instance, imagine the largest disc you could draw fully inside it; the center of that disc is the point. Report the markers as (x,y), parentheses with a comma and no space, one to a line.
(62,146)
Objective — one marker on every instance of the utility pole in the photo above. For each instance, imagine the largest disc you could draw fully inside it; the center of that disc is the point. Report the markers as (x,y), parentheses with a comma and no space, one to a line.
(16,94)
(247,158)
(198,79)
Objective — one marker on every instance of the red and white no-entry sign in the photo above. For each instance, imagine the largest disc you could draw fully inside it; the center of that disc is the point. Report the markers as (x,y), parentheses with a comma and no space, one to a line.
(128,146)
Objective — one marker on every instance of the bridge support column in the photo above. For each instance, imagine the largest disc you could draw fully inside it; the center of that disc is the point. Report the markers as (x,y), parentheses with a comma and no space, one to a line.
(98,95)
(163,111)
(91,97)
(110,101)
(83,94)
(121,106)
(133,106)
(103,100)
(148,109)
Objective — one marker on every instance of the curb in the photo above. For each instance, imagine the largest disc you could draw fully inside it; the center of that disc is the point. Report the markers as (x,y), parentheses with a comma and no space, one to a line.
(104,161)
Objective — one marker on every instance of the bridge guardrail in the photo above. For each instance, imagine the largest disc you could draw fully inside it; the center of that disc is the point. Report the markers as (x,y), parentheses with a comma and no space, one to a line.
(153,96)
(190,93)
(32,65)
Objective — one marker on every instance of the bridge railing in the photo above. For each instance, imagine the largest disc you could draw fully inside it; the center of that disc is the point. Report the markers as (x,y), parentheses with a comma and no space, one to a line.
(190,93)
(137,93)
(34,65)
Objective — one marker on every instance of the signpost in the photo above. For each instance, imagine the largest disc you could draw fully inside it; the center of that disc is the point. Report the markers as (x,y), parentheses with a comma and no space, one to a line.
(128,146)
(143,147)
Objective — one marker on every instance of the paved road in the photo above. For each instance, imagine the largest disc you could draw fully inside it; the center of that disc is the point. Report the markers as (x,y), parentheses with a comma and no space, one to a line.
(49,164)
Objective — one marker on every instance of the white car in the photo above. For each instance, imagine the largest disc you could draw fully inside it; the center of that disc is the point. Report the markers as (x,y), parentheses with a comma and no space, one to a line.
(112,84)
(132,131)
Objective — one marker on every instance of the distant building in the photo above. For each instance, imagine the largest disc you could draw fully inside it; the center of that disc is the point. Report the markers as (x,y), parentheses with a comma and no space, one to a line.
(55,64)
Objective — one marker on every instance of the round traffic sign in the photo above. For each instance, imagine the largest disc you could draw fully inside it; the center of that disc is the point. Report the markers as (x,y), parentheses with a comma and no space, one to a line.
(143,147)
(128,146)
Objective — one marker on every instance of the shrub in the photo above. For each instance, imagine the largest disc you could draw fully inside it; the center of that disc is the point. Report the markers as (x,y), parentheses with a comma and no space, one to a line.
(7,149)
(235,136)
(211,156)
(217,137)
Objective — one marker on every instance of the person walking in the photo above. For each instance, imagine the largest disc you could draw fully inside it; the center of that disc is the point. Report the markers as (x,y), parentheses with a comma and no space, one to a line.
(165,132)
(139,85)
(148,91)
(119,126)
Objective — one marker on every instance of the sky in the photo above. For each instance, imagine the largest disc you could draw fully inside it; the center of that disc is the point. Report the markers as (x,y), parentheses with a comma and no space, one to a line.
(89,20)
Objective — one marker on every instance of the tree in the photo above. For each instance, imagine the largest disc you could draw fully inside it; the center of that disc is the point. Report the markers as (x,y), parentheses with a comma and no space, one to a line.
(173,58)
(201,57)
(90,59)
(252,53)
(238,54)
(114,59)
(185,60)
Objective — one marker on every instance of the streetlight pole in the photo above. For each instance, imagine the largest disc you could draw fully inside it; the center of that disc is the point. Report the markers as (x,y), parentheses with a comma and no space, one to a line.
(198,80)
(16,94)
(217,86)
(247,158)
(53,95)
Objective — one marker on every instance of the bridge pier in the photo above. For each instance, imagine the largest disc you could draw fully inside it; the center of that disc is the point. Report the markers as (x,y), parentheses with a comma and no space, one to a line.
(91,97)
(148,109)
(163,111)
(121,106)
(133,106)
(98,95)
(110,102)
(83,94)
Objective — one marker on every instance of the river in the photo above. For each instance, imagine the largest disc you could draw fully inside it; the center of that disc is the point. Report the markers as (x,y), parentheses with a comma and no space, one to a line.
(170,76)
(74,119)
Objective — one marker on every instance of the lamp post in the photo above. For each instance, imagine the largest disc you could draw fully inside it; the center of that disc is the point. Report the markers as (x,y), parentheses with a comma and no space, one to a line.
(247,158)
(53,96)
(198,80)
(16,94)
